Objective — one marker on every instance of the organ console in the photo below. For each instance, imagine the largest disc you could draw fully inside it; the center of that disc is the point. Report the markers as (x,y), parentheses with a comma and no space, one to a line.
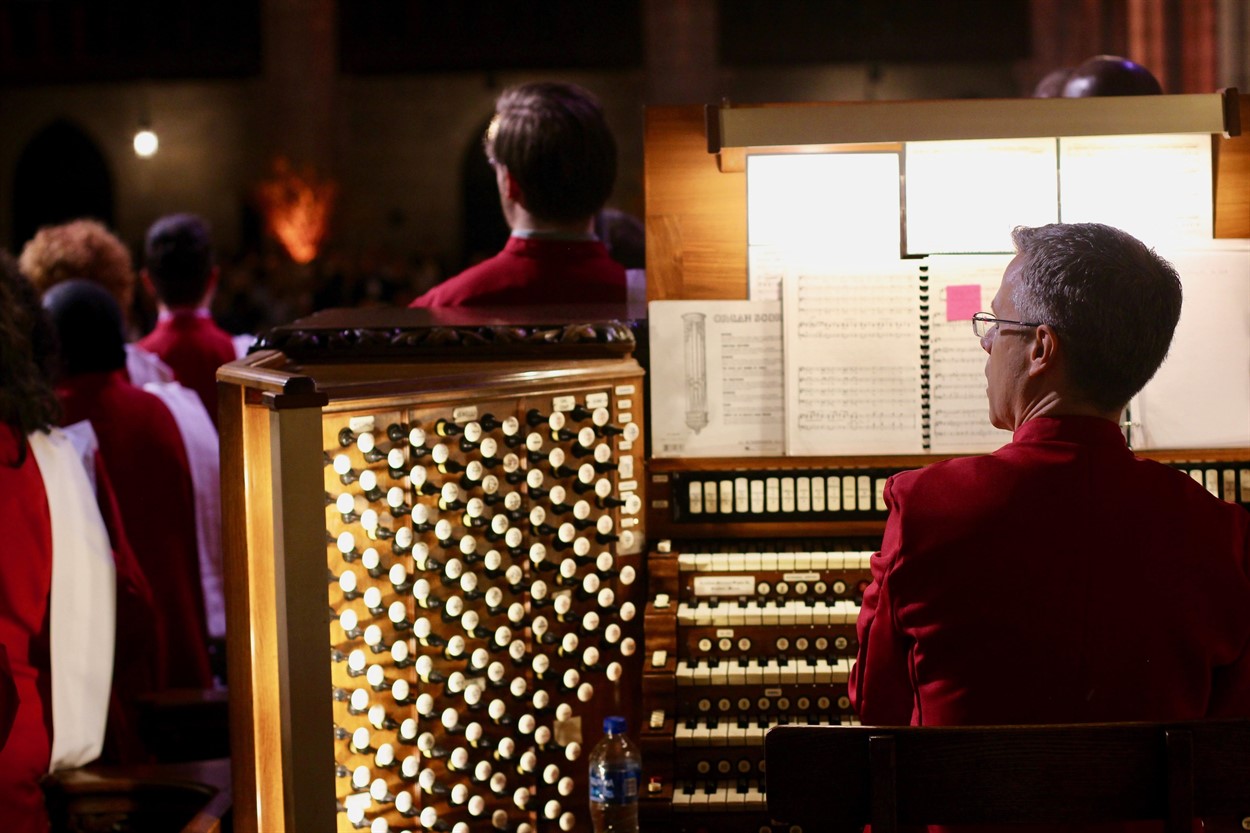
(450,554)
(756,566)
(439,615)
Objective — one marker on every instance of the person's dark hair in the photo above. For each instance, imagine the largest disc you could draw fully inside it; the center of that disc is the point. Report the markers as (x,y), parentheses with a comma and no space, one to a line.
(555,142)
(1104,75)
(1052,84)
(27,400)
(88,326)
(178,254)
(1113,301)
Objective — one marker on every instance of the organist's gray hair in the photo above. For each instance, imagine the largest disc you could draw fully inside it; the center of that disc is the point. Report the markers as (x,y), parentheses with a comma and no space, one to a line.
(1112,299)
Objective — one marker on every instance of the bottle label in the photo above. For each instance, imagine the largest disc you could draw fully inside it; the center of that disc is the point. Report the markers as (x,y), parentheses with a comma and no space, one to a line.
(615,786)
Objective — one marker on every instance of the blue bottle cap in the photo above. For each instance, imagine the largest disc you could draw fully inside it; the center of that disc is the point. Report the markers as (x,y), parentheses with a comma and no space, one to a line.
(614,725)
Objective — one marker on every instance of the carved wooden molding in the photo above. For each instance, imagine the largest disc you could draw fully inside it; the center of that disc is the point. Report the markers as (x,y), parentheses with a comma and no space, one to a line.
(501,341)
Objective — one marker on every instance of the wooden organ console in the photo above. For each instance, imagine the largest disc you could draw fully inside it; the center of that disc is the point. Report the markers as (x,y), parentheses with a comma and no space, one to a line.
(450,553)
(757,565)
(437,595)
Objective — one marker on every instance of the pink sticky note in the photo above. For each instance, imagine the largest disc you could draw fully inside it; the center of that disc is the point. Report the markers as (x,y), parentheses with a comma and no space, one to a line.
(962,301)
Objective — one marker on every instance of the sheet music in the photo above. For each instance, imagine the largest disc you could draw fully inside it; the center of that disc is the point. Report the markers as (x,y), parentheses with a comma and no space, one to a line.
(718,390)
(1200,398)
(1157,188)
(960,285)
(852,369)
(839,204)
(966,196)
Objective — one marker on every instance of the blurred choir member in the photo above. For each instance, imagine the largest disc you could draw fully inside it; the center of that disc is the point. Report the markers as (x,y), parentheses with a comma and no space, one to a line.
(146,461)
(75,609)
(86,249)
(180,271)
(555,164)
(1101,75)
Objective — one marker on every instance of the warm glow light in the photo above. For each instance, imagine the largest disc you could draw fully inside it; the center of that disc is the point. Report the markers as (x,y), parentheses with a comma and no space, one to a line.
(297,209)
(146,144)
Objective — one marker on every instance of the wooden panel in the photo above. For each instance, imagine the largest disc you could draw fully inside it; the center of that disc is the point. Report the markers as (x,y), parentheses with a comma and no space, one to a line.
(933,120)
(1232,180)
(238,589)
(298,608)
(696,216)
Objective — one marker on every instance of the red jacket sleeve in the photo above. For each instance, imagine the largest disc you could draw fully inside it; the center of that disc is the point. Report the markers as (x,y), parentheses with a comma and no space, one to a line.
(880,683)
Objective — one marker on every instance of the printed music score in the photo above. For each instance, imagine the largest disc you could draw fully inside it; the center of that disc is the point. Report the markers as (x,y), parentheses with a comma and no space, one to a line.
(967,195)
(1207,371)
(719,390)
(1101,181)
(817,209)
(852,348)
(960,285)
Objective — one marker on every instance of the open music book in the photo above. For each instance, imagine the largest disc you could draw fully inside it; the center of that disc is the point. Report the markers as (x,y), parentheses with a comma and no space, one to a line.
(879,357)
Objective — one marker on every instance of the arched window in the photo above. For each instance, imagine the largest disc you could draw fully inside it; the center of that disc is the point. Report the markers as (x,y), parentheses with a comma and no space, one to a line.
(60,175)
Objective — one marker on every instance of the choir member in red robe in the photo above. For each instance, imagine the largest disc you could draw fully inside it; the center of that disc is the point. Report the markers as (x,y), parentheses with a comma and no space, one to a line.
(146,461)
(66,601)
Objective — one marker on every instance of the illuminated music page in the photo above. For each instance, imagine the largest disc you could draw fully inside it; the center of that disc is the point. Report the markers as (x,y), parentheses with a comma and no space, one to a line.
(1157,188)
(844,204)
(852,348)
(966,196)
(1200,398)
(960,285)
(716,383)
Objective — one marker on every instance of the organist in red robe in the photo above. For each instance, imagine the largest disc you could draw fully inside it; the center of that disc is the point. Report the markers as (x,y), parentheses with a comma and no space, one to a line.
(1061,578)
(146,461)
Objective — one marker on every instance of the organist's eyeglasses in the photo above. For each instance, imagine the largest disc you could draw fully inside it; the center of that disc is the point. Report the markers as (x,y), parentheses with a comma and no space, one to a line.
(983,323)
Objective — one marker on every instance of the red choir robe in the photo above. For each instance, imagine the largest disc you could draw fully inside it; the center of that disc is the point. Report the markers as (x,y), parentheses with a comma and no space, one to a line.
(146,462)
(26,580)
(194,347)
(532,271)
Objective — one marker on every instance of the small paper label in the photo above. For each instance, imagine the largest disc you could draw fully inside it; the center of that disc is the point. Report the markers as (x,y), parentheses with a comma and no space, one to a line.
(962,301)
(724,633)
(563,403)
(793,577)
(596,400)
(464,413)
(624,390)
(360,424)
(724,585)
(624,403)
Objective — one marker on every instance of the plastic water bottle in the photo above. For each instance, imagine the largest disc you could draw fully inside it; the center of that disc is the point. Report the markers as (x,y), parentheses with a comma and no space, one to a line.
(615,774)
